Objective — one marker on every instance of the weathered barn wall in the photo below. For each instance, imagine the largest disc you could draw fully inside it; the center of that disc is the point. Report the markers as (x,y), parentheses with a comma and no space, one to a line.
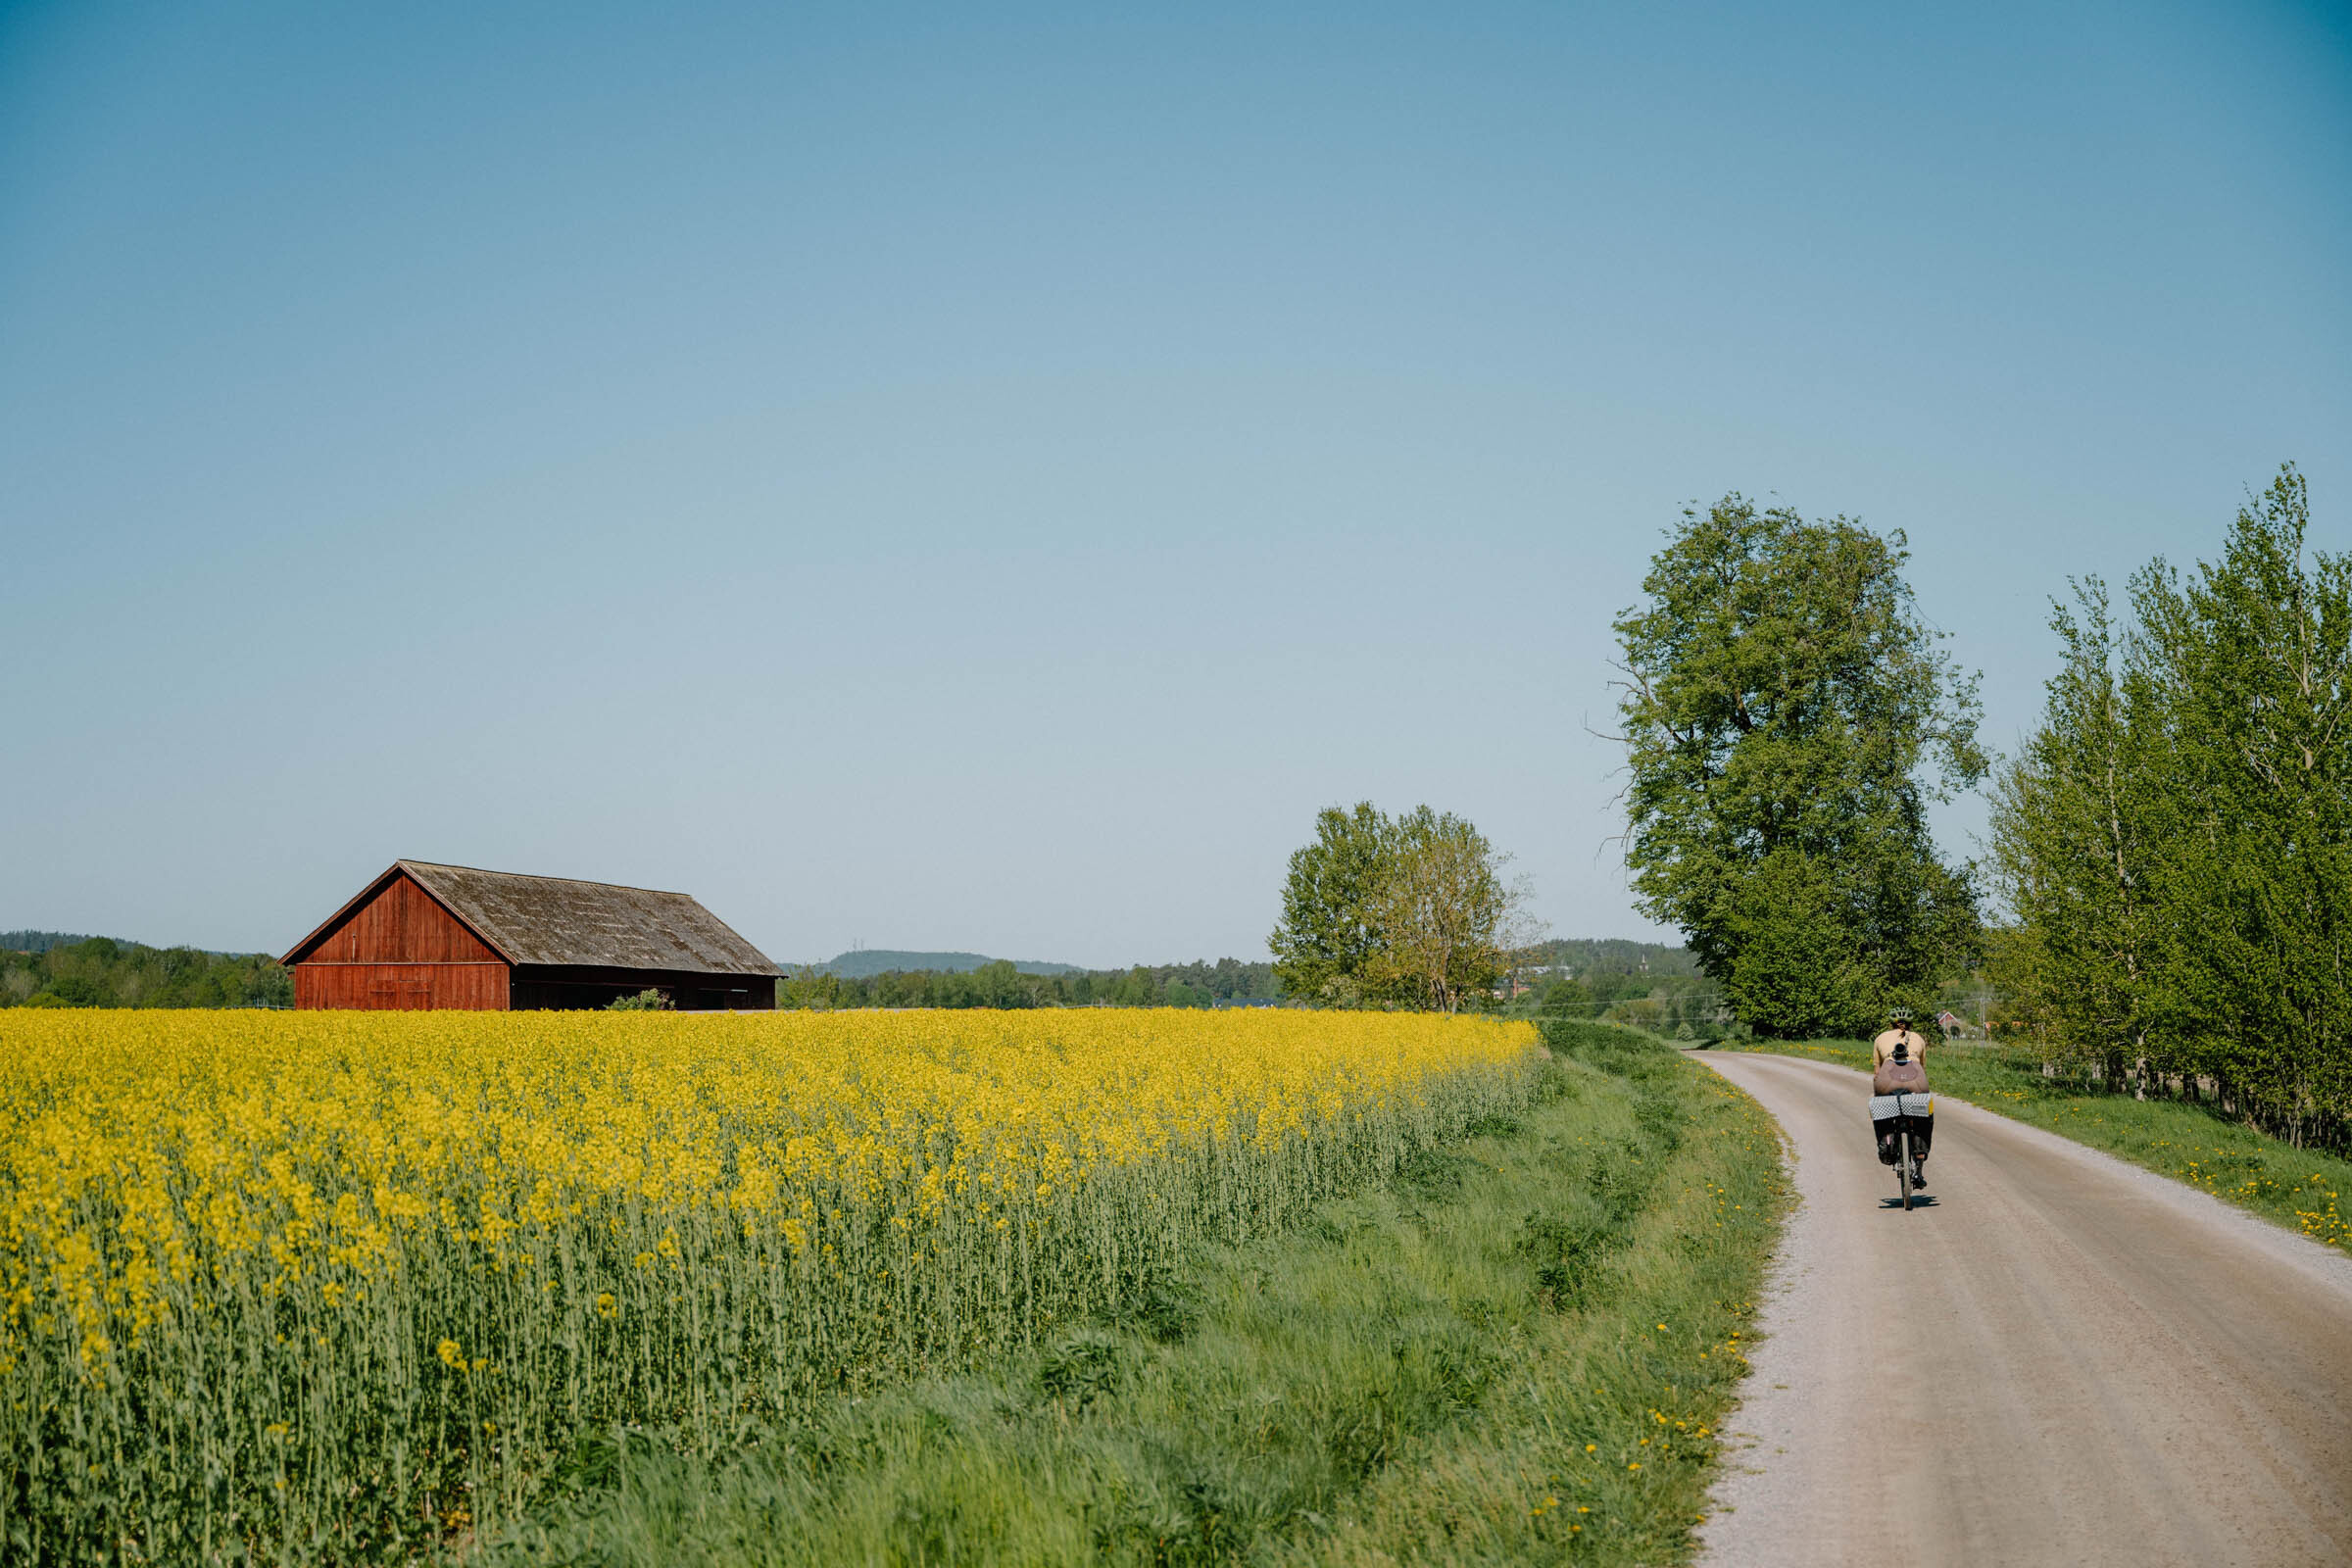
(478,986)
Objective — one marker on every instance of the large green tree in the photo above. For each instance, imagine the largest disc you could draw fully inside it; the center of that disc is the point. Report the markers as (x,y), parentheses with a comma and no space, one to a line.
(1789,714)
(1795,975)
(1324,945)
(1441,916)
(1408,911)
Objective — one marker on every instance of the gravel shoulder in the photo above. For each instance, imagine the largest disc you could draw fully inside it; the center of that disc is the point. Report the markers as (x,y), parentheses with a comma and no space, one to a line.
(2063,1360)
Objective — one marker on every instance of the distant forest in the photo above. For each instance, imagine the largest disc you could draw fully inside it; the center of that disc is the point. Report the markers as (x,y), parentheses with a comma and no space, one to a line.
(1649,982)
(1589,957)
(55,969)
(38,940)
(863,963)
(1640,982)
(1002,984)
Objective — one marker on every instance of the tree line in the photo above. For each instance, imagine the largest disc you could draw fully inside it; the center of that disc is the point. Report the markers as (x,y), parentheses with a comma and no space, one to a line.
(1378,912)
(2175,840)
(999,985)
(1590,957)
(37,971)
(1681,1006)
(1650,985)
(2166,894)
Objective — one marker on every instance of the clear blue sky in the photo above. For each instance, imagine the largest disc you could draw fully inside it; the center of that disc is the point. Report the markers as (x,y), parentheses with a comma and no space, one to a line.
(984,477)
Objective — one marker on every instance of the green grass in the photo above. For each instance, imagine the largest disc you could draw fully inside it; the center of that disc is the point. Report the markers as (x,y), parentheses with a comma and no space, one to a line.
(1516,1351)
(2298,1188)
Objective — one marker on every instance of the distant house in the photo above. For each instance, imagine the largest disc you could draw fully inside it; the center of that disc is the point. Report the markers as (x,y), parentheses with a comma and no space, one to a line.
(448,936)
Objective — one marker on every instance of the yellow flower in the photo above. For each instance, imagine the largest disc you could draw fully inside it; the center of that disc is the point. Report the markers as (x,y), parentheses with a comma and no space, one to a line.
(822,1187)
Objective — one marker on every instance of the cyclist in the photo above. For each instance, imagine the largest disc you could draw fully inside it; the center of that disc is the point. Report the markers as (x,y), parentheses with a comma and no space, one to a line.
(1897,1059)
(1898,1031)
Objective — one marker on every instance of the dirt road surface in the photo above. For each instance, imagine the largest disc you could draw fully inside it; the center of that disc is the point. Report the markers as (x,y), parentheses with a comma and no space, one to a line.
(2064,1361)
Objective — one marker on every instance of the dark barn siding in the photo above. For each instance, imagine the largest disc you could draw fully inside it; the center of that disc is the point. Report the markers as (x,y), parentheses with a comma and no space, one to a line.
(588,986)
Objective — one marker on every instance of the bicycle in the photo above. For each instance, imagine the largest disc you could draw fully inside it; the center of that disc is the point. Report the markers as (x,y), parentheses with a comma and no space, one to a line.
(1901,1123)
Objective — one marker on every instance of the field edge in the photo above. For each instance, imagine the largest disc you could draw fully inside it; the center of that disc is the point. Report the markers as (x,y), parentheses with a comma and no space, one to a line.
(1518,1349)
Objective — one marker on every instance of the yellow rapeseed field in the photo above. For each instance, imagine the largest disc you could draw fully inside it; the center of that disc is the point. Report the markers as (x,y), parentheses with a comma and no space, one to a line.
(326,1282)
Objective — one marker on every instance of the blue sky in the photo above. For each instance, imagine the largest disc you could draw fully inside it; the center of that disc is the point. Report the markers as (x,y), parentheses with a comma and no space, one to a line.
(984,477)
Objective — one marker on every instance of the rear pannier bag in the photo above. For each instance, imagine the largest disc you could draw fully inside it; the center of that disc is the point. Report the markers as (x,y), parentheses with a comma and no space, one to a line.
(1888,1113)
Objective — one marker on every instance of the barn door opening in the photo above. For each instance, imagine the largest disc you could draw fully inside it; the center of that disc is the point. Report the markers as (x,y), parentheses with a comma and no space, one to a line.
(401,992)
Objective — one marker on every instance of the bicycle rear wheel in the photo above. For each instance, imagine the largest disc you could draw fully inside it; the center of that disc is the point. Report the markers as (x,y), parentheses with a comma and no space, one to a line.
(1903,1167)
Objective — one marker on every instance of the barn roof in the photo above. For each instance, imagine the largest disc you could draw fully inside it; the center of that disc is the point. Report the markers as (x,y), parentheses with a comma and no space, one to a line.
(555,920)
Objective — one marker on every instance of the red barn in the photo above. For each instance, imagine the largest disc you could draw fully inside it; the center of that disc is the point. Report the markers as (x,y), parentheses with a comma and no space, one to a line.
(448,936)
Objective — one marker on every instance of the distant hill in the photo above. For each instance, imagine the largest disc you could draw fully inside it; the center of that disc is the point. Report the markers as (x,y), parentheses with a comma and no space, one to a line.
(1590,957)
(866,962)
(928,982)
(38,940)
(50,941)
(50,969)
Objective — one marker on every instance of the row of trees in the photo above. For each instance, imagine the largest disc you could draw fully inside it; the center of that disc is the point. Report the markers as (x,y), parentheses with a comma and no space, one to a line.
(1650,985)
(1592,958)
(1000,985)
(1411,911)
(100,972)
(2169,856)
(2174,841)
(1683,1006)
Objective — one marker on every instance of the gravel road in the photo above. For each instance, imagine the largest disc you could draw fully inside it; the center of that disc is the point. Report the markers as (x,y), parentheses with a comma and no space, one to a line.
(2065,1359)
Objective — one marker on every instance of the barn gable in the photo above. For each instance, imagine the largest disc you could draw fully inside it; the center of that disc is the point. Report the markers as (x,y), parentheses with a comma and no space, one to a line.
(395,921)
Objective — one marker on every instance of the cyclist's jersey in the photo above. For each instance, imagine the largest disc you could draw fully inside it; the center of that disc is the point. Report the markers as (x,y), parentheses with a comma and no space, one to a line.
(1881,1050)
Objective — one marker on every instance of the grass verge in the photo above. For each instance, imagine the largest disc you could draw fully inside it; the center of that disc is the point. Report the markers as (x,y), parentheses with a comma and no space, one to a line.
(2298,1188)
(1515,1351)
